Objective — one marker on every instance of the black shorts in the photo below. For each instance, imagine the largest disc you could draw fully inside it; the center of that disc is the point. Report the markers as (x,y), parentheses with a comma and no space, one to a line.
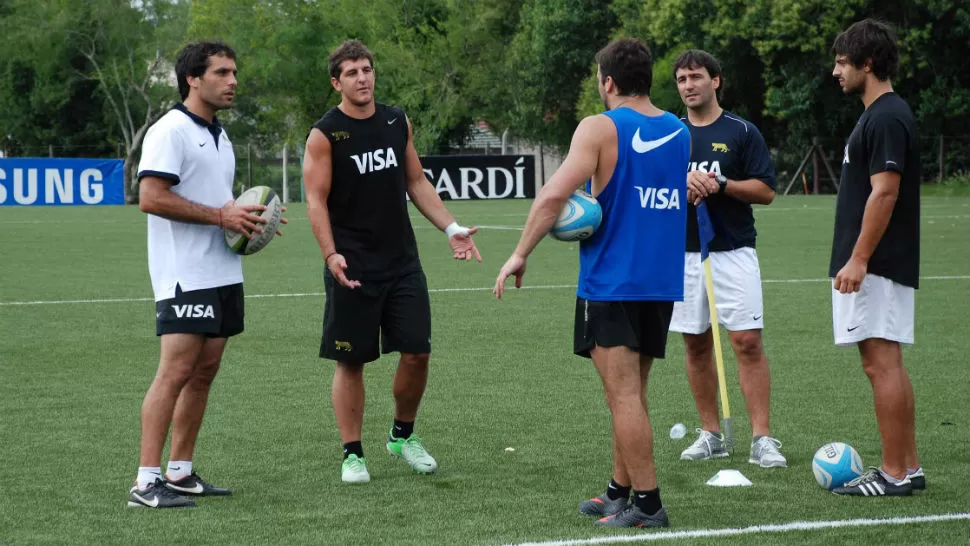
(213,312)
(398,311)
(639,325)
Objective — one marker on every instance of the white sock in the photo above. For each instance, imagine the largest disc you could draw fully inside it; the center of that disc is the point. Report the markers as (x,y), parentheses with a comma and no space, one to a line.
(178,470)
(147,476)
(890,479)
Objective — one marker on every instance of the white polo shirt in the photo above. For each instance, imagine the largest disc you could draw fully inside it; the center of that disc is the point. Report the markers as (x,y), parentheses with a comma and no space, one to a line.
(197,157)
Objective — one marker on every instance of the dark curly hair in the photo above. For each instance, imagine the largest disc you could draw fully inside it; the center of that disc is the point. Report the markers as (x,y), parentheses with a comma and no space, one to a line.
(870,41)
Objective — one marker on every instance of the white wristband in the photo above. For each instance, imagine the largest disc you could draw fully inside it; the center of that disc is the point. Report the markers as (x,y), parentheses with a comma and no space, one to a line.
(454,229)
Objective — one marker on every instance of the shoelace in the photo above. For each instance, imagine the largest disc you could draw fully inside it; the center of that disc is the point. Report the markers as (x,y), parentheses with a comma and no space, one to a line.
(704,437)
(767,443)
(868,476)
(162,491)
(413,443)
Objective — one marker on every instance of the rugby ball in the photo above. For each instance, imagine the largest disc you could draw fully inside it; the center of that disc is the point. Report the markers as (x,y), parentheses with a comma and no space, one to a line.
(257,195)
(579,219)
(835,464)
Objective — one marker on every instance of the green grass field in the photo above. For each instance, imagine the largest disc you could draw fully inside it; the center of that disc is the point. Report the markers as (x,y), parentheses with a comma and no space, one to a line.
(73,375)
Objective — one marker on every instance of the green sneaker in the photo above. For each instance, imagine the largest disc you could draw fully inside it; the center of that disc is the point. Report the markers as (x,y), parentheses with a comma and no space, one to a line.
(413,452)
(354,470)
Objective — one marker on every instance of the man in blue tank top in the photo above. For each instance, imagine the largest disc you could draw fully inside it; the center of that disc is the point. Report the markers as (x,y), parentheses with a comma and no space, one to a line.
(631,269)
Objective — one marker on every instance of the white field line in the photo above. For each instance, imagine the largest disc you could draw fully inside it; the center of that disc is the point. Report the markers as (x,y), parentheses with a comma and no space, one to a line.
(755,529)
(433,290)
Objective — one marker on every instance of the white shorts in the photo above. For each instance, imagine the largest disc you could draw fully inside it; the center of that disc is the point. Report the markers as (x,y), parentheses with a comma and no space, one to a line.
(737,293)
(880,309)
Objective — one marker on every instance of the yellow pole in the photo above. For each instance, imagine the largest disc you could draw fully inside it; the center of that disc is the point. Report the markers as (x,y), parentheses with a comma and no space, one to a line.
(718,354)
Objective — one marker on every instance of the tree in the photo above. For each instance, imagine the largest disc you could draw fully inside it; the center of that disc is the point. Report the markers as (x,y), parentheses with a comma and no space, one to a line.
(131,74)
(44,100)
(547,61)
(84,83)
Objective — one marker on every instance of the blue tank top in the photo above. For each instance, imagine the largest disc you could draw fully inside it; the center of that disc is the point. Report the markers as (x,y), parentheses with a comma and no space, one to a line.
(637,254)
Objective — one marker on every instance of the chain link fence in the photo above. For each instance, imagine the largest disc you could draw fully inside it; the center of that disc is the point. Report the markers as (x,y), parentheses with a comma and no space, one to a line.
(942,157)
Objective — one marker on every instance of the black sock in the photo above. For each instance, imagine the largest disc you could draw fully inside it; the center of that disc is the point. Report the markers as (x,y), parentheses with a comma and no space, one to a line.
(648,501)
(353,448)
(402,430)
(616,491)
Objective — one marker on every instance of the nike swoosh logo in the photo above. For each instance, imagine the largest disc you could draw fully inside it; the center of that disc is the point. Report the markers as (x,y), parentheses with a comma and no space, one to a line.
(196,489)
(853,328)
(157,315)
(644,146)
(201,144)
(757,317)
(392,121)
(153,503)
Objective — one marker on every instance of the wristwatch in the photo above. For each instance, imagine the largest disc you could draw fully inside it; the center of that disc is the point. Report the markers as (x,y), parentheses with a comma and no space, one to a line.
(722,182)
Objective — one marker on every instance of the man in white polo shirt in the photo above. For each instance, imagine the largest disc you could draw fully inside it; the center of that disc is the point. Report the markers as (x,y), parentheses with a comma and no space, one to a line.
(186,179)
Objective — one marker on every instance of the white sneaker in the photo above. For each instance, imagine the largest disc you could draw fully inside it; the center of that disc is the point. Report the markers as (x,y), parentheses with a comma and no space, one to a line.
(354,470)
(764,452)
(707,446)
(414,453)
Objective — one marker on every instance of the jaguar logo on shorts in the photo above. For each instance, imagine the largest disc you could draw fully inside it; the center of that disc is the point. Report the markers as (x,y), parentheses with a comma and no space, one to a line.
(719,147)
(344,346)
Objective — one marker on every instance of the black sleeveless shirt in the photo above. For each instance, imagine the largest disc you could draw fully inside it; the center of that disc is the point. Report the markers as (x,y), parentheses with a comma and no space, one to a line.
(368,194)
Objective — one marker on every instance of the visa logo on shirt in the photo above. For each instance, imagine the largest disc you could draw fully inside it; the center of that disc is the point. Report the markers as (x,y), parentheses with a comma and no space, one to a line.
(658,198)
(376,160)
(706,166)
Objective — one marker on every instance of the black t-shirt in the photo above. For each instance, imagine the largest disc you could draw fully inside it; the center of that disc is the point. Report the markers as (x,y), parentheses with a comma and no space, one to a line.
(733,147)
(884,139)
(368,195)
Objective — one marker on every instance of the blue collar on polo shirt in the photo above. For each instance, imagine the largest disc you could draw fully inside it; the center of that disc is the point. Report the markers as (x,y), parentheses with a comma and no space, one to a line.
(214,128)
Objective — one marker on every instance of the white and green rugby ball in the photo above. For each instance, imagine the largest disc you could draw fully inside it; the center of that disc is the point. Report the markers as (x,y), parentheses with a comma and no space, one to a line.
(257,195)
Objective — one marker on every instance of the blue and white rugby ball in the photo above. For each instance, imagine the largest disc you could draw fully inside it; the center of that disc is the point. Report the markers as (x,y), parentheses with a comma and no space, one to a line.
(579,219)
(835,464)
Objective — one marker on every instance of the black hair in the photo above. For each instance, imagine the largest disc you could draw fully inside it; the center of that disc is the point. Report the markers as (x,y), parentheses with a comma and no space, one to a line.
(629,62)
(870,41)
(693,59)
(193,61)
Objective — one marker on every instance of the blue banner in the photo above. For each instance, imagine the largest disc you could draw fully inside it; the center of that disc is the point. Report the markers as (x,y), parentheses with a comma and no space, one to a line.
(56,181)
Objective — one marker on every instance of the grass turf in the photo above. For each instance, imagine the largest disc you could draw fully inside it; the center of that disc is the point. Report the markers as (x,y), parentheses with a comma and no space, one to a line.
(74,375)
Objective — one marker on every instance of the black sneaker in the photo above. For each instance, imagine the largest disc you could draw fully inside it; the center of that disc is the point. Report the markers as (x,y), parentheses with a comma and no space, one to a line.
(197,487)
(602,505)
(872,484)
(632,516)
(156,495)
(918,479)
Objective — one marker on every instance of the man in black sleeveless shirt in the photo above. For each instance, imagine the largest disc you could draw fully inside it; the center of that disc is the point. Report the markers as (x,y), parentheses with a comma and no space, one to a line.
(359,168)
(875,249)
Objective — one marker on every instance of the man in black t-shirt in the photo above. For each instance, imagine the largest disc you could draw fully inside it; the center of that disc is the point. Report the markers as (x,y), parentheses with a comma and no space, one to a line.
(359,168)
(875,251)
(730,169)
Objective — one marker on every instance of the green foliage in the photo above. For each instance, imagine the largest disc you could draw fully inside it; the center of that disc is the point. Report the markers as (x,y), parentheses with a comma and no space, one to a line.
(548,58)
(45,96)
(519,65)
